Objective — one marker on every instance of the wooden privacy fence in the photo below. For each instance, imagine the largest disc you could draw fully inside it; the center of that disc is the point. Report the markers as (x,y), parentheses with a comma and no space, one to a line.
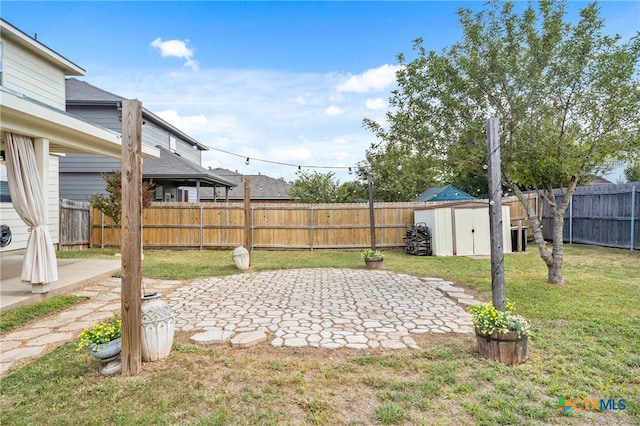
(272,226)
(75,225)
(604,215)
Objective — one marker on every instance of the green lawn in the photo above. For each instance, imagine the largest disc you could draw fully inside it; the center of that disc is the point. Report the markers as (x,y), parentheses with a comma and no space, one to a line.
(587,345)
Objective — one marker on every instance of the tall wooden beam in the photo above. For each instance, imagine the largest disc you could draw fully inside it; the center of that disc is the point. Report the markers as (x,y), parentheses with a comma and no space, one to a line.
(131,238)
(372,214)
(248,240)
(498,296)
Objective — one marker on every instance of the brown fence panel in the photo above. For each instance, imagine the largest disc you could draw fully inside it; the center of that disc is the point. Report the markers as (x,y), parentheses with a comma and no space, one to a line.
(273,226)
(74,224)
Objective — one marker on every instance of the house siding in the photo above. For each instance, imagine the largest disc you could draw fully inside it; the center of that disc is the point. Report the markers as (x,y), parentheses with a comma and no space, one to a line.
(105,116)
(32,76)
(153,134)
(80,175)
(80,186)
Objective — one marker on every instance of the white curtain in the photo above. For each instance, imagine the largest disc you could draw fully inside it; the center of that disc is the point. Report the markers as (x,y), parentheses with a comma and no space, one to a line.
(27,196)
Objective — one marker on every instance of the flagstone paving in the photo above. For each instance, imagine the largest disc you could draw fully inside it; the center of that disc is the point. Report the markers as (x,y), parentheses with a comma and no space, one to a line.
(319,308)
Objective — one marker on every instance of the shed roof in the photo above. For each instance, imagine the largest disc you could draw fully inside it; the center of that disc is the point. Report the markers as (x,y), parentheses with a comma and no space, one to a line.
(444,193)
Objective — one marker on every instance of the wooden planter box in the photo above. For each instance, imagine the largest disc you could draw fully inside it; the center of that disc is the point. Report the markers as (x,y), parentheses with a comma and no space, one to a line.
(373,263)
(508,348)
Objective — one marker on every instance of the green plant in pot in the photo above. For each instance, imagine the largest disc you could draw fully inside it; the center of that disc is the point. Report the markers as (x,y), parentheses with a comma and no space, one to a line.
(501,336)
(372,258)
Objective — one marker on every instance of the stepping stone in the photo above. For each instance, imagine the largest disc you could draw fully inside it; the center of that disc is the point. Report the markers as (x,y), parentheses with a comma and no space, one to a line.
(248,339)
(467,302)
(212,337)
(295,342)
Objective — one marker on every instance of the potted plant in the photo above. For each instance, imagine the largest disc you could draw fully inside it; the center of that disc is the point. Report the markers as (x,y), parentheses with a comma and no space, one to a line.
(501,336)
(102,339)
(372,258)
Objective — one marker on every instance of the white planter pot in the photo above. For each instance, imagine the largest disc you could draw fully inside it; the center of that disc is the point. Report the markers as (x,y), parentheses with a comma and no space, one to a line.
(158,327)
(106,350)
(241,258)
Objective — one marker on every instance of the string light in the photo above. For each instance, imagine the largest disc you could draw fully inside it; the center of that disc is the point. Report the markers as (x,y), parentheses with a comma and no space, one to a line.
(248,159)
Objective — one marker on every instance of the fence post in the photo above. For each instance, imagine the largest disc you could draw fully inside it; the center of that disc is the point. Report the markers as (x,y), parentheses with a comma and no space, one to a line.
(311,228)
(201,225)
(633,215)
(372,215)
(571,219)
(102,231)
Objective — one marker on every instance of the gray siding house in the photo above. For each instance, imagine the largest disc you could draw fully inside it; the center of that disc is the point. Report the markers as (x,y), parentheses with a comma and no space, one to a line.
(81,175)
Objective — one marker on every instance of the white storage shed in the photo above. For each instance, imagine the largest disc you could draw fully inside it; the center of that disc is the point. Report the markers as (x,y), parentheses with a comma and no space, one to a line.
(462,228)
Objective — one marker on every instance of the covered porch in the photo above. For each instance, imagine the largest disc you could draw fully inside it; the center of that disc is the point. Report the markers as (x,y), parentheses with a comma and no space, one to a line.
(72,274)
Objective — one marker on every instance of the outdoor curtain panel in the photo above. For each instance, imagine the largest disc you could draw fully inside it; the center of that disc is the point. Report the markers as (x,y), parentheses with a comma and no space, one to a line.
(27,197)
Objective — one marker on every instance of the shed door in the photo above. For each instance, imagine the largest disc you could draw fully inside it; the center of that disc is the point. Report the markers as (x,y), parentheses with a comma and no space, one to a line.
(472,231)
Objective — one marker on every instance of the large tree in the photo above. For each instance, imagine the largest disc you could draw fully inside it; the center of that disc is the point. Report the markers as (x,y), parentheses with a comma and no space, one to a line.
(567,97)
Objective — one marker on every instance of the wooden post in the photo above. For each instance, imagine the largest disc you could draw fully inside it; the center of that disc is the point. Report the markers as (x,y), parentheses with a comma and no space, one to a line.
(372,216)
(519,238)
(498,296)
(248,240)
(131,238)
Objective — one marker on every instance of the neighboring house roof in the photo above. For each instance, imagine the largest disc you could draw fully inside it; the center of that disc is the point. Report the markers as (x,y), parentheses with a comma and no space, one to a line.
(171,166)
(81,93)
(261,187)
(444,193)
(600,181)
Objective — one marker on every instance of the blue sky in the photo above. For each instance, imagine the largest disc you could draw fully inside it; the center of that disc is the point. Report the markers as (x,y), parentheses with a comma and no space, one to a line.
(288,82)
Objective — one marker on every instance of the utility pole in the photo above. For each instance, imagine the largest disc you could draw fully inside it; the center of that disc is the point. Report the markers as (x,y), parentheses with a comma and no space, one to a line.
(498,296)
(131,238)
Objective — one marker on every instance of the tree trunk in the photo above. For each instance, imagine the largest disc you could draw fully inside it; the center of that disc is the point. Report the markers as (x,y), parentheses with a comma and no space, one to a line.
(534,223)
(554,273)
(554,259)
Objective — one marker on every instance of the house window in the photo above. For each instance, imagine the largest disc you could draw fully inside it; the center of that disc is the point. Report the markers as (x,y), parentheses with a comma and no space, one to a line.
(4,184)
(172,143)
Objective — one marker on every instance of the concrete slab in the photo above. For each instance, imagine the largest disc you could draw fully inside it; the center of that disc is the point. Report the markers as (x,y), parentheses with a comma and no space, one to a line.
(248,339)
(212,337)
(72,274)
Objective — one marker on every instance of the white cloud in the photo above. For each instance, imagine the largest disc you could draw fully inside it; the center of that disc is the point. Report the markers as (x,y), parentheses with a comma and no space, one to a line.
(199,123)
(333,110)
(376,104)
(376,79)
(290,154)
(254,113)
(177,49)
